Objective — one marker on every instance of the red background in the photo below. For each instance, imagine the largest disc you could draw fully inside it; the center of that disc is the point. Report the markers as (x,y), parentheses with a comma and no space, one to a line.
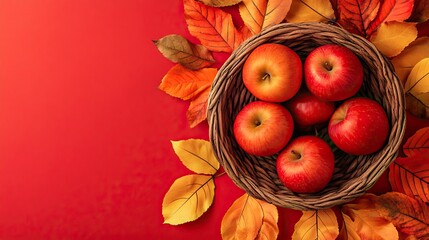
(85,133)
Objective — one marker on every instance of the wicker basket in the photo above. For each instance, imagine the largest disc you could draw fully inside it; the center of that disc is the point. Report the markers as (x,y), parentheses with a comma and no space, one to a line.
(353,175)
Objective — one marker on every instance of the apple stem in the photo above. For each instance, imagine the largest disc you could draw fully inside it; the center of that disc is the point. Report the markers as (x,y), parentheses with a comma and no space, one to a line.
(297,154)
(266,75)
(328,66)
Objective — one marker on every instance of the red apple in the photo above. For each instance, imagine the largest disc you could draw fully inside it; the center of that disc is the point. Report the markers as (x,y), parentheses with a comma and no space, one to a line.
(359,126)
(306,165)
(272,72)
(333,72)
(309,111)
(263,128)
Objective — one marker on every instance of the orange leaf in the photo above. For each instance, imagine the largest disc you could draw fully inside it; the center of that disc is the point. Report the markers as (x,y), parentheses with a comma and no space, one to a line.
(212,26)
(348,231)
(411,176)
(409,215)
(179,50)
(356,15)
(197,111)
(259,14)
(391,10)
(186,84)
(190,85)
(319,224)
(419,142)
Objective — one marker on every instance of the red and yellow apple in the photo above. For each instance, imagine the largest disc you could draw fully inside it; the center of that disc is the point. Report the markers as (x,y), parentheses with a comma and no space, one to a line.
(306,165)
(263,128)
(309,111)
(333,72)
(272,72)
(359,126)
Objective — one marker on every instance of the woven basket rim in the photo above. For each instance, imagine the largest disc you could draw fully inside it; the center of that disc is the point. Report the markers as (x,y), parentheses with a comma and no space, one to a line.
(227,82)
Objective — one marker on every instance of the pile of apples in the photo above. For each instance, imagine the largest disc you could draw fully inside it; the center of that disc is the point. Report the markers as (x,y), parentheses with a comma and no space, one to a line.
(294,99)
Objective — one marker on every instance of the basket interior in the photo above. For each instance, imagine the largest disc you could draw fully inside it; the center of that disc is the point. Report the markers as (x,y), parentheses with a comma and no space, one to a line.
(353,175)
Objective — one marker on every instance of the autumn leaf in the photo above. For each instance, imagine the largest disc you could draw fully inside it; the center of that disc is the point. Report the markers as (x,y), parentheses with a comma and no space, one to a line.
(417,89)
(392,37)
(391,10)
(188,198)
(410,56)
(409,215)
(310,11)
(197,155)
(220,3)
(190,85)
(179,50)
(421,11)
(348,230)
(418,143)
(319,224)
(367,223)
(269,228)
(356,15)
(411,176)
(259,14)
(250,218)
(212,26)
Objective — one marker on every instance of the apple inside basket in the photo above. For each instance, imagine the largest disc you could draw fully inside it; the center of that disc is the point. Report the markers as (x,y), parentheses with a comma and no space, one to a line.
(353,174)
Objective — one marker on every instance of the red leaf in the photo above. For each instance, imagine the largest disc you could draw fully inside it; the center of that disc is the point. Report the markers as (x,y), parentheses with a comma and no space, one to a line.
(411,176)
(391,10)
(419,142)
(356,15)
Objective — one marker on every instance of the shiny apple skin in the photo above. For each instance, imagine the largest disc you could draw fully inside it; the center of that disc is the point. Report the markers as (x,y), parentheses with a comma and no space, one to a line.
(263,128)
(273,72)
(333,72)
(306,165)
(359,126)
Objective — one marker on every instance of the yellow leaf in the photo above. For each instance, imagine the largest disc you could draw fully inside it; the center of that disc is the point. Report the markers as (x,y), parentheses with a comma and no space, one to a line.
(348,231)
(405,61)
(243,220)
(417,89)
(269,229)
(259,14)
(197,155)
(188,198)
(392,37)
(310,11)
(319,224)
(179,50)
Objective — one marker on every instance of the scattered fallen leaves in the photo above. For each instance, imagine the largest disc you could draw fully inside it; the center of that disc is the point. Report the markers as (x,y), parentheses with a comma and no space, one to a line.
(212,26)
(310,11)
(356,15)
(179,50)
(407,59)
(392,37)
(417,89)
(190,85)
(197,155)
(259,14)
(409,215)
(250,218)
(188,198)
(319,224)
